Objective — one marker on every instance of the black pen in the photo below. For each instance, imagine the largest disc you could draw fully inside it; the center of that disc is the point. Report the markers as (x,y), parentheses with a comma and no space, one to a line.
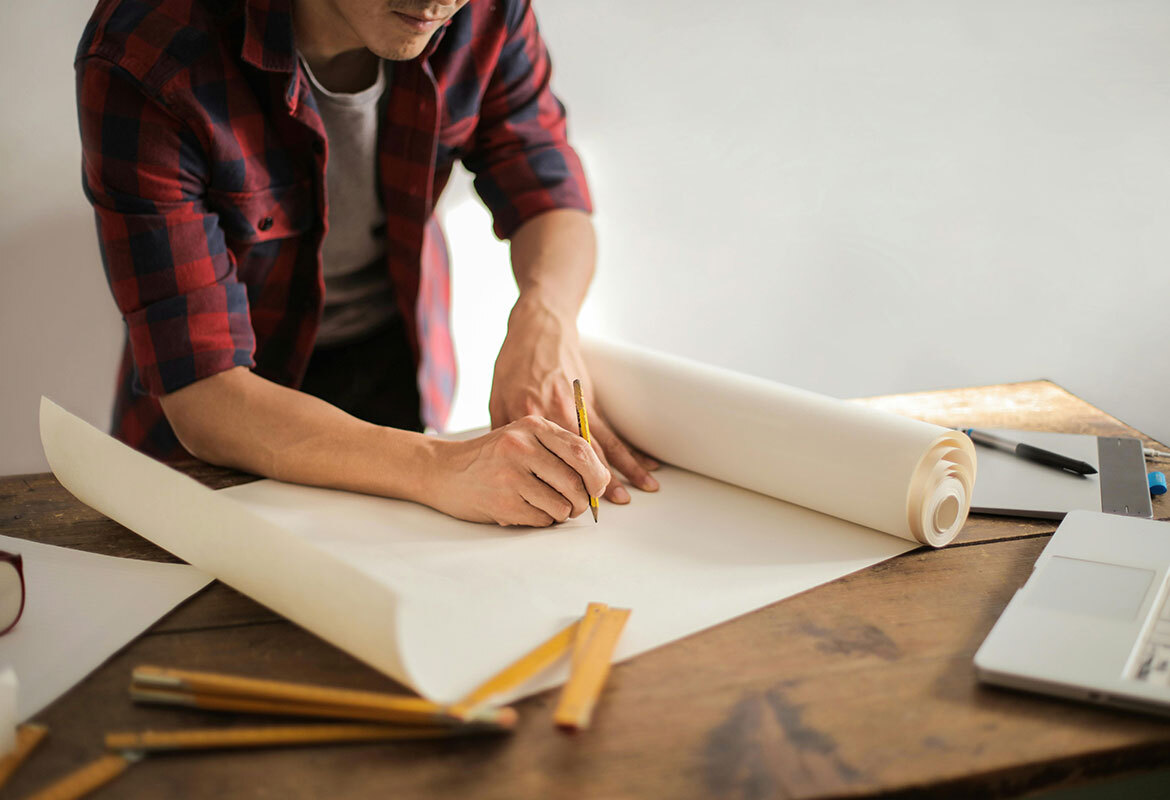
(1040,456)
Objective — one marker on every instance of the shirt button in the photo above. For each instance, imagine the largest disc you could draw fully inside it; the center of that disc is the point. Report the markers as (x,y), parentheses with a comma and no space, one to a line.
(265,223)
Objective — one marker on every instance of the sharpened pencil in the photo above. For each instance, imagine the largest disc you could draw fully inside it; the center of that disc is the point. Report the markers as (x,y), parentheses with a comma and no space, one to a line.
(275,736)
(236,693)
(502,718)
(583,429)
(87,778)
(27,738)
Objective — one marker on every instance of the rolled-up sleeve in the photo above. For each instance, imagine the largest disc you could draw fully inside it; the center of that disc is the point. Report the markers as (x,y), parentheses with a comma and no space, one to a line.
(165,256)
(520,154)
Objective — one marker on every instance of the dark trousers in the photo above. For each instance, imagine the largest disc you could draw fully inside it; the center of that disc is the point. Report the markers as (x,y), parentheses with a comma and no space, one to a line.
(372,378)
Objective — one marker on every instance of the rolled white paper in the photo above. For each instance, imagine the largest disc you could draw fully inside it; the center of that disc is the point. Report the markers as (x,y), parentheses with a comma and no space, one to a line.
(894,474)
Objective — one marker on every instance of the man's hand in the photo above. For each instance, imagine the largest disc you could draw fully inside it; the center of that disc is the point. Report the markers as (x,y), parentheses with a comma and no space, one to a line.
(534,375)
(530,472)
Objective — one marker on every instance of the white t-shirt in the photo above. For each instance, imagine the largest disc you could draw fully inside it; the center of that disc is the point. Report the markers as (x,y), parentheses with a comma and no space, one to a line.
(359,297)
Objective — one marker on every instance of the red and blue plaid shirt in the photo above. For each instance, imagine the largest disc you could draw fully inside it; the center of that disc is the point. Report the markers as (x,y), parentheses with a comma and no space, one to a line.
(204,159)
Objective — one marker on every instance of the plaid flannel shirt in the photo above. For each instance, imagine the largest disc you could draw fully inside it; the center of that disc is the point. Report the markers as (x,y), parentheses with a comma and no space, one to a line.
(204,159)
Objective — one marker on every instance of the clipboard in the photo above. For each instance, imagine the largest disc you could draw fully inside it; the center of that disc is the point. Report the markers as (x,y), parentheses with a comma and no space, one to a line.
(1013,486)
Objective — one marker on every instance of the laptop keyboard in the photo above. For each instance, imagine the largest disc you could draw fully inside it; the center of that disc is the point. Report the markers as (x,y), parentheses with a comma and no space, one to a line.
(1154,658)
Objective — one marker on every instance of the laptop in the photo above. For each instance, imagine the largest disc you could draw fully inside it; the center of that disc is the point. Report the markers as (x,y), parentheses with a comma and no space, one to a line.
(1093,621)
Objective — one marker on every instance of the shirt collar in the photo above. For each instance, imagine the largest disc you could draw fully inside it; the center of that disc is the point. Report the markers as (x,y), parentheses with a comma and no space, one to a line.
(268,35)
(435,39)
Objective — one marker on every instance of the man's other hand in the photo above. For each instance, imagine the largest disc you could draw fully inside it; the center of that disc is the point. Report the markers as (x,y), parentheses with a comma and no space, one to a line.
(534,374)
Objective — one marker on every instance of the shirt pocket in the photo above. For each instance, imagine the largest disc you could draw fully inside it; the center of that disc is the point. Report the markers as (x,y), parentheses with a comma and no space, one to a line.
(278,212)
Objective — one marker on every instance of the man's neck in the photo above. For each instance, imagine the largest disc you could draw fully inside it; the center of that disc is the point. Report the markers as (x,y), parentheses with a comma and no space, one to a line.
(340,62)
(347,73)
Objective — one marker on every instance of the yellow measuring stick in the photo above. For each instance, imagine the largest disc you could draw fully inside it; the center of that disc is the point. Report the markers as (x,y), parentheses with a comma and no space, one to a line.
(594,613)
(591,662)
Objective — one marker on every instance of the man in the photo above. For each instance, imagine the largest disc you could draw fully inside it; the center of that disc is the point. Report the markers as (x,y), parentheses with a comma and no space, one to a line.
(263,177)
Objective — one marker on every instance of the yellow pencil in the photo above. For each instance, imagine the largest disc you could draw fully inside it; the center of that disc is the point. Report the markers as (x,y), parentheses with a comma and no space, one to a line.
(150,684)
(27,738)
(87,778)
(274,736)
(583,429)
(502,718)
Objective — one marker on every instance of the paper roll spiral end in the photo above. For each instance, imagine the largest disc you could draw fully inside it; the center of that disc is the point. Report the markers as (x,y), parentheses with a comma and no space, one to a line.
(940,496)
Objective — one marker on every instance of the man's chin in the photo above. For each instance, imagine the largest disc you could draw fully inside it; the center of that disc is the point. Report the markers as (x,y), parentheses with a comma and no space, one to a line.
(399,48)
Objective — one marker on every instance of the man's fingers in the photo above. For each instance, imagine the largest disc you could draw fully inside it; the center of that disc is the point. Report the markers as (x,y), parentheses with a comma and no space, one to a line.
(621,457)
(614,491)
(573,451)
(543,498)
(648,463)
(564,480)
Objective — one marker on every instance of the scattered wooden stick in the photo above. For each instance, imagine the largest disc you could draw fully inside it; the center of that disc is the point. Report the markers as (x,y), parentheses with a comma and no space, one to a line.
(278,736)
(218,692)
(592,656)
(27,738)
(532,663)
(84,780)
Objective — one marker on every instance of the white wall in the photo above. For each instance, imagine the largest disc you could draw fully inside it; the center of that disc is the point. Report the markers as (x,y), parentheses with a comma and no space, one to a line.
(867,197)
(60,333)
(855,197)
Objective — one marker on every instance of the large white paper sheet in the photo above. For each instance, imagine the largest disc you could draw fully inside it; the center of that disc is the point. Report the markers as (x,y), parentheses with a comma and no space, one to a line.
(209,530)
(696,553)
(80,609)
(441,604)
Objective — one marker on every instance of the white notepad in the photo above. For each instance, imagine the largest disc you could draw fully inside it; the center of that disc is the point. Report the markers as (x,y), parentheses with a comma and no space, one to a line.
(80,609)
(1014,486)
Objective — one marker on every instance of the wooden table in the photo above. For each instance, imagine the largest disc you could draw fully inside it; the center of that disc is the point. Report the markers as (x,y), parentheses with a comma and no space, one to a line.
(862,687)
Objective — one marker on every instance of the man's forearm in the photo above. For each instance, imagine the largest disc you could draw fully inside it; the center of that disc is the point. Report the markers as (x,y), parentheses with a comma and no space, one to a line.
(238,419)
(553,257)
(530,473)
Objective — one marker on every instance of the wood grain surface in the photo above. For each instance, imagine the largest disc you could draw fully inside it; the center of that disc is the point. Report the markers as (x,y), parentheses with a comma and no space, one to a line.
(862,687)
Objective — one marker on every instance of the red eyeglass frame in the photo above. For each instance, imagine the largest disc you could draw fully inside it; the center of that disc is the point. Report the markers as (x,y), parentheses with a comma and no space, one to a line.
(18,563)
